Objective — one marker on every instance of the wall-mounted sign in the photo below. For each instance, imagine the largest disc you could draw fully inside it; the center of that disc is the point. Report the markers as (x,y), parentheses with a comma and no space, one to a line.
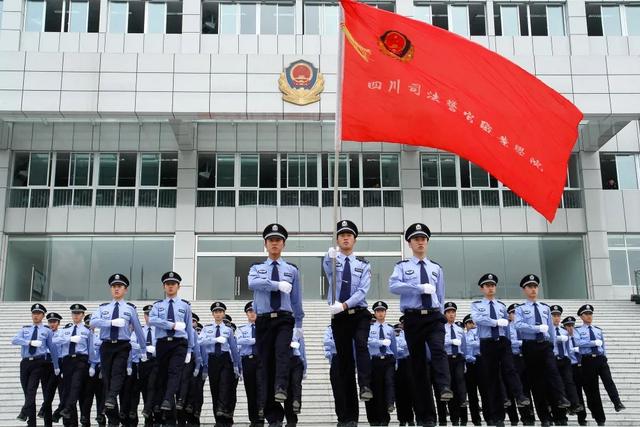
(301,83)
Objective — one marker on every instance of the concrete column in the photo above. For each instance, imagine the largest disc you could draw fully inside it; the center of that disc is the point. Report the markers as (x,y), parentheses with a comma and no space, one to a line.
(185,237)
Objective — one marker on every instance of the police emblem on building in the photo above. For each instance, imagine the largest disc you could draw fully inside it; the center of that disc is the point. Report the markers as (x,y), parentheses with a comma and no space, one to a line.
(301,83)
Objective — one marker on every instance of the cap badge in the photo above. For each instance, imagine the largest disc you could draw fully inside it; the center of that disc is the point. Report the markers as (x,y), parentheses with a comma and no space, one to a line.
(171,274)
(117,277)
(418,227)
(531,277)
(344,223)
(274,227)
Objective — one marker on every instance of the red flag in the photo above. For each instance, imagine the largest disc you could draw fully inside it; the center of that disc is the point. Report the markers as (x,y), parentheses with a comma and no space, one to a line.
(408,82)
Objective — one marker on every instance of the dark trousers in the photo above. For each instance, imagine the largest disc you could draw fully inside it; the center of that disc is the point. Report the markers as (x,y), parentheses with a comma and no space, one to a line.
(383,387)
(543,375)
(404,399)
(221,384)
(273,340)
(526,412)
(75,371)
(251,384)
(294,392)
(420,329)
(351,330)
(185,380)
(338,392)
(498,358)
(113,361)
(130,398)
(566,373)
(93,389)
(31,373)
(594,368)
(459,387)
(577,379)
(170,356)
(50,383)
(147,372)
(471,377)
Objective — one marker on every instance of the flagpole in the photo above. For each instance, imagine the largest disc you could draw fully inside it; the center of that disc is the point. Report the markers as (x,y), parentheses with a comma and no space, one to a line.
(337,144)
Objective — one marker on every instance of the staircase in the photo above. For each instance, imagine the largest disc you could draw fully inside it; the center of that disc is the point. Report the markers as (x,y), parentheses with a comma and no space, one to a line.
(616,318)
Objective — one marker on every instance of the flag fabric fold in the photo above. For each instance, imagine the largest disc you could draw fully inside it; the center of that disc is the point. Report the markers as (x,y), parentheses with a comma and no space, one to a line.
(408,82)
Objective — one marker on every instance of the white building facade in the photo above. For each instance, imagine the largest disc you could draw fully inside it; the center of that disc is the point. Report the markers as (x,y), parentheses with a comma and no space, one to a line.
(143,136)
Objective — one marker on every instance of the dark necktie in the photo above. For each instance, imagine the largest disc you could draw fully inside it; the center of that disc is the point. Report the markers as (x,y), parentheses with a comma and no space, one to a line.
(592,337)
(114,315)
(578,355)
(454,348)
(149,342)
(539,335)
(383,348)
(171,317)
(424,278)
(275,295)
(72,345)
(495,332)
(345,286)
(218,346)
(34,336)
(253,335)
(560,344)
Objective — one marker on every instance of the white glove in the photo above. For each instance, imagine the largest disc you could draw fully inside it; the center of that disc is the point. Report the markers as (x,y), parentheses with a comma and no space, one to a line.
(598,343)
(298,332)
(92,372)
(428,288)
(252,341)
(386,342)
(503,322)
(35,343)
(56,372)
(143,357)
(562,338)
(221,340)
(75,339)
(336,308)
(179,326)
(576,349)
(151,349)
(135,345)
(285,287)
(129,371)
(118,323)
(236,371)
(188,358)
(333,252)
(456,341)
(294,345)
(196,371)
(543,328)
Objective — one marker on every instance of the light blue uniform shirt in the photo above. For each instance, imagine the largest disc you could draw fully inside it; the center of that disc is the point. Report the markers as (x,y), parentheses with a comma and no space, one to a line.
(401,344)
(565,345)
(207,341)
(516,342)
(459,333)
(245,338)
(586,343)
(101,318)
(44,334)
(84,346)
(57,346)
(158,317)
(97,342)
(329,344)
(405,279)
(472,347)
(300,351)
(575,357)
(481,315)
(375,342)
(360,279)
(525,321)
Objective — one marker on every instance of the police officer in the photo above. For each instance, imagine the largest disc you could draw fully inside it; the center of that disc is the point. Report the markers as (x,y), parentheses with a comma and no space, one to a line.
(298,371)
(594,364)
(174,339)
(35,340)
(403,376)
(382,348)
(130,393)
(330,352)
(349,315)
(246,337)
(50,382)
(94,381)
(472,362)
(76,341)
(198,383)
(223,363)
(576,365)
(278,304)
(455,346)
(116,320)
(492,319)
(533,323)
(420,284)
(148,369)
(562,351)
(526,412)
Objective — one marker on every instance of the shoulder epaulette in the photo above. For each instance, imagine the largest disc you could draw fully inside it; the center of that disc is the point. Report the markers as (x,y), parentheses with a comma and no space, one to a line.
(131,304)
(104,303)
(435,263)
(188,303)
(400,262)
(597,327)
(255,263)
(543,303)
(362,259)
(476,302)
(501,302)
(68,325)
(47,326)
(155,302)
(27,326)
(290,263)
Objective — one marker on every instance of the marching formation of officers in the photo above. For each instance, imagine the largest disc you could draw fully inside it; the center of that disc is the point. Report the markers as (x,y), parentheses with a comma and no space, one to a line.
(497,362)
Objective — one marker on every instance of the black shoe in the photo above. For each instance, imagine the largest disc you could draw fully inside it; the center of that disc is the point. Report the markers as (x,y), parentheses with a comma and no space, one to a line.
(523,401)
(179,405)
(261,413)
(41,413)
(619,407)
(575,409)
(464,404)
(366,394)
(280,395)
(100,419)
(295,405)
(66,413)
(84,421)
(55,417)
(507,403)
(166,406)
(22,416)
(146,413)
(601,424)
(446,394)
(188,409)
(563,403)
(391,408)
(222,414)
(110,403)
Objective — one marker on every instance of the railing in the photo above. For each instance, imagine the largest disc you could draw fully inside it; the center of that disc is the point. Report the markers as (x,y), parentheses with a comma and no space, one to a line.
(454,198)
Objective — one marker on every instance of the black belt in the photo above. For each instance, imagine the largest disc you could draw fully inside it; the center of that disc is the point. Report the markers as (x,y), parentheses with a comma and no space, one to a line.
(171,339)
(386,356)
(591,355)
(75,355)
(491,339)
(350,311)
(561,357)
(115,341)
(454,356)
(34,357)
(535,341)
(275,314)
(422,311)
(249,356)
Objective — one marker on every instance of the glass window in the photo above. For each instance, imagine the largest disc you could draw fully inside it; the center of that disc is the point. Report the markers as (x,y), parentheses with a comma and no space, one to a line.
(136,20)
(108,169)
(594,19)
(169,170)
(150,168)
(206,170)
(460,20)
(268,170)
(286,19)
(510,20)
(633,19)
(78,16)
(228,15)
(156,16)
(225,170)
(39,169)
(210,17)
(390,170)
(249,170)
(174,17)
(20,169)
(268,18)
(477,20)
(538,17)
(54,11)
(320,18)
(627,172)
(371,170)
(248,18)
(34,16)
(555,20)
(127,170)
(118,17)
(430,170)
(312,18)
(611,24)
(81,169)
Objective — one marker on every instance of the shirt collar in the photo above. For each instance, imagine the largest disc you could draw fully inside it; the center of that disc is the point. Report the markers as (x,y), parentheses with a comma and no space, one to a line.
(417,260)
(270,261)
(351,257)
